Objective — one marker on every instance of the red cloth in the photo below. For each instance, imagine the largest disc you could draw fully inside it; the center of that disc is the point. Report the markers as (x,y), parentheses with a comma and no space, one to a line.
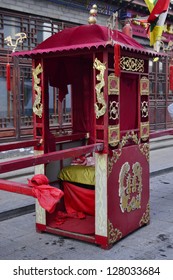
(47,195)
(78,199)
(59,217)
(71,223)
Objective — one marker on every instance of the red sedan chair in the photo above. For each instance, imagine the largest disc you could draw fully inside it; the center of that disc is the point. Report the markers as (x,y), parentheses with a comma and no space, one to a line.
(102,164)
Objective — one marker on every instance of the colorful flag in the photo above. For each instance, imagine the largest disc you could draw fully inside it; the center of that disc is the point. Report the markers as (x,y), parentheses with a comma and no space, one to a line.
(158,12)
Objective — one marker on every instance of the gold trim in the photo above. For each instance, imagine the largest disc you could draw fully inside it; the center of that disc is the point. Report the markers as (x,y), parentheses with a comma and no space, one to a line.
(38,106)
(145,150)
(144,86)
(130,187)
(114,233)
(113,84)
(100,110)
(145,217)
(132,64)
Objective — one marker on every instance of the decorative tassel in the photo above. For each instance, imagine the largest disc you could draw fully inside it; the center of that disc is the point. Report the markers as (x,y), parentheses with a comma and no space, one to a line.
(8,77)
(117,60)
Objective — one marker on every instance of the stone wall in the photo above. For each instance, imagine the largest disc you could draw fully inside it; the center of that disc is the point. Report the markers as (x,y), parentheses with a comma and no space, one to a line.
(51,10)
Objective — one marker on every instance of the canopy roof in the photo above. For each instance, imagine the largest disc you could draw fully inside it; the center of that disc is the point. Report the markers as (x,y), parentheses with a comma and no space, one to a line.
(82,37)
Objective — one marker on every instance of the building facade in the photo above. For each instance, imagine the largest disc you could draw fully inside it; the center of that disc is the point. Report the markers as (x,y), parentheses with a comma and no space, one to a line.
(39,20)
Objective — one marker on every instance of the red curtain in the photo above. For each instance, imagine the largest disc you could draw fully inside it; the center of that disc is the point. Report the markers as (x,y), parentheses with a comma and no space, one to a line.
(129,102)
(78,199)
(78,73)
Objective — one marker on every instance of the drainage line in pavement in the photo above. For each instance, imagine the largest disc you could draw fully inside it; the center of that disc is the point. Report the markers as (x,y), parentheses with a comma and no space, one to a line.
(161,172)
(17,212)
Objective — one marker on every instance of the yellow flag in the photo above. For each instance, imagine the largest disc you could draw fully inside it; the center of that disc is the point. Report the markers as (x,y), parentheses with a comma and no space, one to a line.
(158,12)
(150,4)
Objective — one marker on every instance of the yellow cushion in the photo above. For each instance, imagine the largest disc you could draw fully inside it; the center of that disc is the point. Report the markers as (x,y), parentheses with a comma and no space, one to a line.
(78,174)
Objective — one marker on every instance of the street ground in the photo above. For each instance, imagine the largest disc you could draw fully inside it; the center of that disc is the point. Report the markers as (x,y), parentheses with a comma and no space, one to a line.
(20,241)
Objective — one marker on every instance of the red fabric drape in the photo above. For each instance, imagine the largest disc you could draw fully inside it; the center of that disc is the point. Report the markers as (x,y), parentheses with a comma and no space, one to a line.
(78,199)
(78,73)
(47,195)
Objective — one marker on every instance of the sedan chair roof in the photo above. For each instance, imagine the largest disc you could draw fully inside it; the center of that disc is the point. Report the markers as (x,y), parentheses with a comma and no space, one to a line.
(85,37)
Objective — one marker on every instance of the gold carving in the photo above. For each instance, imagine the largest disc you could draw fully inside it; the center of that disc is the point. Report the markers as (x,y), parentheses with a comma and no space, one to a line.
(114,135)
(145,217)
(114,110)
(144,131)
(144,109)
(37,107)
(144,86)
(130,187)
(130,135)
(101,225)
(132,64)
(114,233)
(20,37)
(100,106)
(115,156)
(113,84)
(145,150)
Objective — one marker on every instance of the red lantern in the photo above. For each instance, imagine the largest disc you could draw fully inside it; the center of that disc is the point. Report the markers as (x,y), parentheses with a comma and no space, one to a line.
(8,77)
(127,29)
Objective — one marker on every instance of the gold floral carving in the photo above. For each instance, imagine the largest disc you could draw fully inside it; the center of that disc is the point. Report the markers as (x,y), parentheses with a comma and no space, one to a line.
(113,84)
(130,135)
(113,135)
(115,156)
(144,86)
(144,131)
(114,233)
(113,110)
(145,217)
(100,106)
(132,64)
(37,107)
(145,150)
(130,187)
(144,109)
